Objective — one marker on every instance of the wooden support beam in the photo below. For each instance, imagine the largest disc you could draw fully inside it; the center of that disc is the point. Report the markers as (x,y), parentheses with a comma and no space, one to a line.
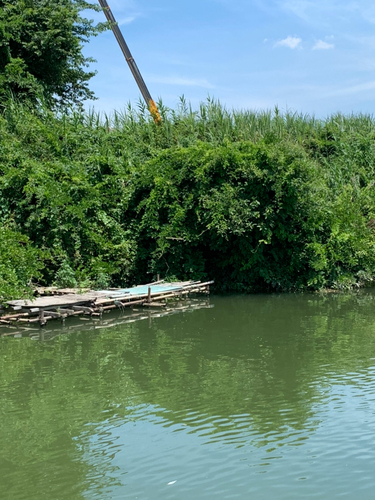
(84,309)
(14,317)
(108,308)
(31,320)
(124,304)
(52,314)
(68,312)
(42,319)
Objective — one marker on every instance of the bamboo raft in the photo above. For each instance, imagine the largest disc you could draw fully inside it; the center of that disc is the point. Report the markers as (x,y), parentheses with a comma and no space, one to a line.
(111,320)
(65,303)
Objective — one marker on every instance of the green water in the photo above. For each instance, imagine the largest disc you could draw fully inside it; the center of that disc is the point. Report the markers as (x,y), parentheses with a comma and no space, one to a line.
(258,397)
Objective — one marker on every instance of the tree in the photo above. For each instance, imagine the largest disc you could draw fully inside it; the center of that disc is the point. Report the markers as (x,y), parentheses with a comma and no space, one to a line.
(41,45)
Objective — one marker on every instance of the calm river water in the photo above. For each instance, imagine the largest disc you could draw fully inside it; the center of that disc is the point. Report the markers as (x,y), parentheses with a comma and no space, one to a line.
(258,397)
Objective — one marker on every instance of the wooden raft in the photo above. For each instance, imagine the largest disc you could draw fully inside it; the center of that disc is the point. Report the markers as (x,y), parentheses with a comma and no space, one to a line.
(129,315)
(94,303)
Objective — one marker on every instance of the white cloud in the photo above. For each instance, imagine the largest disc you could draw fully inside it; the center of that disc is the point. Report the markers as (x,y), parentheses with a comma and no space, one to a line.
(291,41)
(298,7)
(126,20)
(178,80)
(124,11)
(322,12)
(123,5)
(355,89)
(321,45)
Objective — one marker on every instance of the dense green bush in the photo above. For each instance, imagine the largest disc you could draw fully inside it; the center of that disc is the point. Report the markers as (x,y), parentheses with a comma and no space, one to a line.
(19,264)
(256,201)
(253,217)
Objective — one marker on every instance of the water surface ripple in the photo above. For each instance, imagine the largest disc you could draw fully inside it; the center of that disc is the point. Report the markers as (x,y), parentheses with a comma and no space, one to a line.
(261,397)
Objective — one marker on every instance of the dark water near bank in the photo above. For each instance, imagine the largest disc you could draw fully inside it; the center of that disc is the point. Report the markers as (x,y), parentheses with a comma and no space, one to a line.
(259,397)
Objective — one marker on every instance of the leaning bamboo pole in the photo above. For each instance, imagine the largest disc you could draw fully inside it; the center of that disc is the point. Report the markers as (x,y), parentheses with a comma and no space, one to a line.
(131,62)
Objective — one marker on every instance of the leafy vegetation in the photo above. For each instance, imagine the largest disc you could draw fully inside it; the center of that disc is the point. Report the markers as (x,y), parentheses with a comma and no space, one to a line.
(19,263)
(41,50)
(256,201)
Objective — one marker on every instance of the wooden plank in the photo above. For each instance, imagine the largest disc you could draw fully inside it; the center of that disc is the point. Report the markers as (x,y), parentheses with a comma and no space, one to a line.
(54,302)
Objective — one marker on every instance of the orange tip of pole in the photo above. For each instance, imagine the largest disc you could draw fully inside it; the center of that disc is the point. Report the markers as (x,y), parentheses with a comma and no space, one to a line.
(154,112)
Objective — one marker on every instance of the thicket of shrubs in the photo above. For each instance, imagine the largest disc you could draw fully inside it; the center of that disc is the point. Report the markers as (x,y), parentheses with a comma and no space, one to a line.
(256,201)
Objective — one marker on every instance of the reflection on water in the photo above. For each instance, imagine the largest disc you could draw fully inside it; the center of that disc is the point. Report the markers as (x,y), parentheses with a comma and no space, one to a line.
(259,396)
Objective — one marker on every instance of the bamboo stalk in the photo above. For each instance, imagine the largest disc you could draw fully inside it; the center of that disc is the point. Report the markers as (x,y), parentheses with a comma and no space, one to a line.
(124,304)
(89,310)
(15,316)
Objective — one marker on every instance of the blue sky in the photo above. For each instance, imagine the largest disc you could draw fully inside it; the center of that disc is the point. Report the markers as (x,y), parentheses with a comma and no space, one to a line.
(315,57)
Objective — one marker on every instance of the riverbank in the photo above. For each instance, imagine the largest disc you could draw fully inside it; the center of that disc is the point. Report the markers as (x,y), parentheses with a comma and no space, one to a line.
(255,201)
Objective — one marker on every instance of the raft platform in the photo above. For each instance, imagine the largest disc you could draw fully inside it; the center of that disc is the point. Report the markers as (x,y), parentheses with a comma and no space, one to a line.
(60,304)
(110,320)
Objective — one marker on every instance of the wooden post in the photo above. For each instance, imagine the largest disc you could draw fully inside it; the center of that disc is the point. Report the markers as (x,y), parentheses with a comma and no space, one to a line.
(42,321)
(158,277)
(149,295)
